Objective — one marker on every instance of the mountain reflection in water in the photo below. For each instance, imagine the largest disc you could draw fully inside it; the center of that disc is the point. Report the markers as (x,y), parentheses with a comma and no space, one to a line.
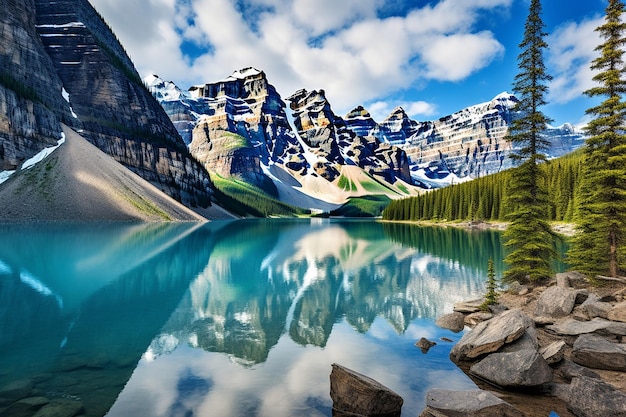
(230,318)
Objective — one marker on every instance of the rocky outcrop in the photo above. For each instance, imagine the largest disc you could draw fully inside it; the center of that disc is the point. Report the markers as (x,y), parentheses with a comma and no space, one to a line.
(330,138)
(31,101)
(110,103)
(357,395)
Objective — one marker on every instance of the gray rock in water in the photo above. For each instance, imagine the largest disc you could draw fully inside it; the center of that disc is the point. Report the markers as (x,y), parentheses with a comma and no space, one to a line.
(25,407)
(522,369)
(17,389)
(555,302)
(597,352)
(453,321)
(354,394)
(471,403)
(590,397)
(489,336)
(424,344)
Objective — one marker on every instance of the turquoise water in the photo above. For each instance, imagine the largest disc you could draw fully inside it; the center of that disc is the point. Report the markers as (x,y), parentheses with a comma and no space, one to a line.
(238,318)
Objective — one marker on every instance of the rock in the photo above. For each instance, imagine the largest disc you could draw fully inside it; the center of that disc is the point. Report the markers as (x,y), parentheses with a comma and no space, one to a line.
(471,403)
(60,408)
(554,352)
(562,280)
(358,395)
(597,352)
(446,339)
(515,288)
(618,312)
(497,308)
(467,307)
(555,302)
(590,397)
(522,369)
(527,341)
(567,370)
(453,321)
(489,336)
(424,344)
(571,327)
(593,308)
(16,390)
(473,319)
(25,407)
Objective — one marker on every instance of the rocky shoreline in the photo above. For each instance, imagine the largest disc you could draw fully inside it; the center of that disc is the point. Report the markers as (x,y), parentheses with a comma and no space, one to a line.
(542,351)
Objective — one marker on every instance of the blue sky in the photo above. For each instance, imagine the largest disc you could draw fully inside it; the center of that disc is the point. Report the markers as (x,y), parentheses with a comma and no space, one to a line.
(430,57)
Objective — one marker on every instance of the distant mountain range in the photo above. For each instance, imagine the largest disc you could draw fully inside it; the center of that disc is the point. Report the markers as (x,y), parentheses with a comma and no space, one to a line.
(62,65)
(239,127)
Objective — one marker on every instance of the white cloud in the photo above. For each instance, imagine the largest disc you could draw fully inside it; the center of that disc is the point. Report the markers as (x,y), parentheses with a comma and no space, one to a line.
(342,46)
(572,48)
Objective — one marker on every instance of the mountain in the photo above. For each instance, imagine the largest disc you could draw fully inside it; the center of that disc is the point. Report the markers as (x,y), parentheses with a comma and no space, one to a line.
(467,144)
(61,63)
(108,191)
(238,127)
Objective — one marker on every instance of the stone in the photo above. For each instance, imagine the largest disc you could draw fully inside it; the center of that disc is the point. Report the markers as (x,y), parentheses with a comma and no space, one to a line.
(424,344)
(555,302)
(554,352)
(470,403)
(596,352)
(17,390)
(567,370)
(25,407)
(453,321)
(590,397)
(562,280)
(571,327)
(489,336)
(60,408)
(522,369)
(528,340)
(468,307)
(471,320)
(358,395)
(593,308)
(618,312)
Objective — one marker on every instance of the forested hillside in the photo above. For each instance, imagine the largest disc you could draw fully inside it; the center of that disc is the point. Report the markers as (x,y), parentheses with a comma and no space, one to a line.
(483,198)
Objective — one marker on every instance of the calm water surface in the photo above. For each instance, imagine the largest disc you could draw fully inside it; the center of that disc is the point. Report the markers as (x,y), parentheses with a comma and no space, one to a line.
(238,318)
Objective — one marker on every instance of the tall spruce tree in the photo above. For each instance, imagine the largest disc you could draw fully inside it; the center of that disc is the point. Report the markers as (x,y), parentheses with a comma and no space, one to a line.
(529,236)
(599,246)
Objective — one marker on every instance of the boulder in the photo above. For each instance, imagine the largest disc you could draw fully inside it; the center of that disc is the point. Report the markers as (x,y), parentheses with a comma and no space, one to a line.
(562,280)
(354,394)
(528,340)
(473,319)
(489,336)
(453,321)
(571,327)
(568,370)
(589,397)
(522,369)
(467,307)
(25,407)
(471,403)
(555,302)
(599,353)
(16,390)
(618,312)
(515,288)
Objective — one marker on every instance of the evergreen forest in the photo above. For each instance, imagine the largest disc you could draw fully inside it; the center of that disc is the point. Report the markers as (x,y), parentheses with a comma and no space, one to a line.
(483,198)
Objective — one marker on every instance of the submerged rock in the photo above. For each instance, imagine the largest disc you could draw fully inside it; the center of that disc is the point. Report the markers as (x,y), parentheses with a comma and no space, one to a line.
(354,394)
(471,403)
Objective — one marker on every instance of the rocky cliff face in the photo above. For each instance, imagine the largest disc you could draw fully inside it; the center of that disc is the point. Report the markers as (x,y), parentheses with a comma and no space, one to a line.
(468,143)
(31,101)
(109,101)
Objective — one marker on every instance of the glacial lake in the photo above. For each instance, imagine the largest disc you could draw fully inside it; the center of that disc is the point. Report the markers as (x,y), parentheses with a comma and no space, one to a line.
(239,318)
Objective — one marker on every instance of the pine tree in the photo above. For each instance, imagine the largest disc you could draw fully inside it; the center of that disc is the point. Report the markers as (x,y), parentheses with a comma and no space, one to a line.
(529,235)
(491,295)
(599,246)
